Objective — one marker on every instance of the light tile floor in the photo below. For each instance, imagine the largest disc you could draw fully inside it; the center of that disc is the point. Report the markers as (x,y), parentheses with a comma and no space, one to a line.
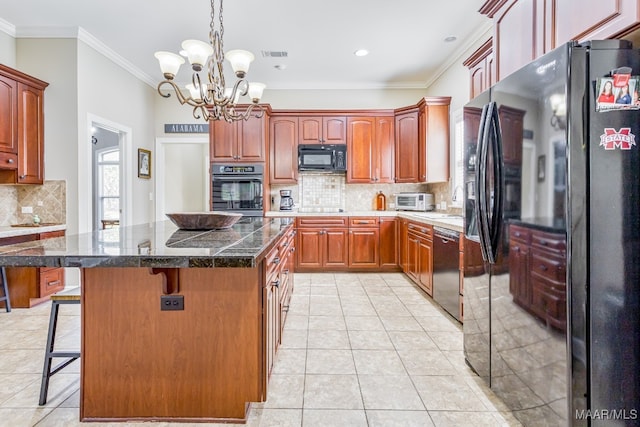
(359,349)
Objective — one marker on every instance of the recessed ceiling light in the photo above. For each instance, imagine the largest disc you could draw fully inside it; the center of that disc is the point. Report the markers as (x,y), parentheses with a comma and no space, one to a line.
(361,52)
(450,39)
(280,66)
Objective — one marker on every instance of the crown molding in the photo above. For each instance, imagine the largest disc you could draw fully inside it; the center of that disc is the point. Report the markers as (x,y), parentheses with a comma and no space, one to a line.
(481,33)
(87,38)
(8,28)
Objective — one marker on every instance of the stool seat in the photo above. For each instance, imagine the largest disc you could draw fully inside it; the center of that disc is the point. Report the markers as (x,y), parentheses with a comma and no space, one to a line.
(68,296)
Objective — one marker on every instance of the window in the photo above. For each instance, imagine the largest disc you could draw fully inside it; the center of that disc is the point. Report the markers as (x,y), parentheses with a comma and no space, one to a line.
(457,185)
(108,184)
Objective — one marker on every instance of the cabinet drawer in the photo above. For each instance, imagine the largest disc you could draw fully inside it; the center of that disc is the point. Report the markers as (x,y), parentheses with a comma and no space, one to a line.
(550,267)
(51,280)
(326,221)
(363,222)
(422,230)
(549,304)
(8,161)
(548,241)
(519,233)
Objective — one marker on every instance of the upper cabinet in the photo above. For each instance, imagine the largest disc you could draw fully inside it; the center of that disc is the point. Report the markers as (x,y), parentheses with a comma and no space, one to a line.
(21,128)
(240,141)
(526,29)
(370,145)
(406,129)
(283,146)
(481,69)
(322,130)
(433,139)
(422,141)
(512,125)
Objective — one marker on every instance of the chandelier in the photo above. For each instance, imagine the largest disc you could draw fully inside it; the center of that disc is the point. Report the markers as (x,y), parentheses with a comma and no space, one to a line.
(212,100)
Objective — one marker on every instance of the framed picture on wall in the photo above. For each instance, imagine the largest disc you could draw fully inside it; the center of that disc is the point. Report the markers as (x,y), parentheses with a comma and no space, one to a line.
(542,167)
(144,163)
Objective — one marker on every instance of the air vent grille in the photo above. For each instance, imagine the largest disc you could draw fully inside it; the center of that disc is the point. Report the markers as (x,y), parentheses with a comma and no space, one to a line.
(274,54)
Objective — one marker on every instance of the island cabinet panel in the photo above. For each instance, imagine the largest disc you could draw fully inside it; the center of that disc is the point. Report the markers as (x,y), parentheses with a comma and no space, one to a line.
(21,128)
(29,286)
(283,146)
(240,141)
(203,363)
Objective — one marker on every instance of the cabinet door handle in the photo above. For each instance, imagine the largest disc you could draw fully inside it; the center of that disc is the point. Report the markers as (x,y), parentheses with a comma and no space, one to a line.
(516,249)
(517,234)
(23,176)
(285,271)
(54,283)
(276,283)
(276,260)
(543,267)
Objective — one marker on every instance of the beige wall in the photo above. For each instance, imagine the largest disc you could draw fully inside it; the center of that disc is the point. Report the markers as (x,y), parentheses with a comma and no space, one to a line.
(7,50)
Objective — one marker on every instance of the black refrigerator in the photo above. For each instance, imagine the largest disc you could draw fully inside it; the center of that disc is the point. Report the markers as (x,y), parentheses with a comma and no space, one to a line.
(552,207)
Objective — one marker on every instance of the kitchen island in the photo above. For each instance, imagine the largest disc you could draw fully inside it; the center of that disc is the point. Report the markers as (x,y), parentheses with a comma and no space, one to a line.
(175,323)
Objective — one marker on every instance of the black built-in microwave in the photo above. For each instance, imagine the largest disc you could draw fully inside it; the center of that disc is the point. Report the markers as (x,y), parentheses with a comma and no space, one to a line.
(320,157)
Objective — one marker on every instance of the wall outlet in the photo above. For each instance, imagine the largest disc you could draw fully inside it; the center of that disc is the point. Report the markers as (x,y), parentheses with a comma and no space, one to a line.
(27,209)
(443,206)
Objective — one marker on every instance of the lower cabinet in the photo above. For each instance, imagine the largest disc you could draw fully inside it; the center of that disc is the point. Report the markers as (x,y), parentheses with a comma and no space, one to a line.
(537,262)
(420,255)
(29,286)
(343,243)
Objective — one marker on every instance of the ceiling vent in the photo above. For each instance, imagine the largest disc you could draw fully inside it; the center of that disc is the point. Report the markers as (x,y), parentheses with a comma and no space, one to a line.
(274,54)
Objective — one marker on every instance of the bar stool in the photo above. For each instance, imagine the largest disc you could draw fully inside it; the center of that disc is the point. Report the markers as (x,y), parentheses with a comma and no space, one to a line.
(70,296)
(5,297)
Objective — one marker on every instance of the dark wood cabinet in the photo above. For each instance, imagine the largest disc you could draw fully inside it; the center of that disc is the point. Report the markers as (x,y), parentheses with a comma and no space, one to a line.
(322,242)
(406,153)
(283,146)
(370,149)
(512,125)
(364,242)
(433,139)
(537,280)
(389,243)
(404,244)
(29,286)
(21,128)
(240,141)
(481,69)
(322,130)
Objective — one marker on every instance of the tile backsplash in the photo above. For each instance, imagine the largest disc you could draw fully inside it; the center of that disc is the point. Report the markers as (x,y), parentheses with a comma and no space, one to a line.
(49,202)
(316,192)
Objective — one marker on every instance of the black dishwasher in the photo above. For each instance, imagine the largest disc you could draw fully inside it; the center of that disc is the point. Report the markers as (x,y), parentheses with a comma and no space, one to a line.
(446,271)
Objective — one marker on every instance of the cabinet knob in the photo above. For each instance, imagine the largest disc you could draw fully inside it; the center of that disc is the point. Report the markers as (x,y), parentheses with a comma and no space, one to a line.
(277,283)
(276,260)
(10,161)
(23,176)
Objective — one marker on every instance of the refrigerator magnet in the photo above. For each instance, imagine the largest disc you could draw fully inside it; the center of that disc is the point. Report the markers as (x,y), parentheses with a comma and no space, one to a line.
(622,139)
(619,92)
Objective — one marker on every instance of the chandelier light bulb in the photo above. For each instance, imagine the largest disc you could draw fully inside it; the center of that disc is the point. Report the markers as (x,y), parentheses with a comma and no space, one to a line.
(240,61)
(255,91)
(198,53)
(169,63)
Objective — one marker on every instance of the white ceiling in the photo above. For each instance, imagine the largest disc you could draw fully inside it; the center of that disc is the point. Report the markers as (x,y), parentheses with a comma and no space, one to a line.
(405,37)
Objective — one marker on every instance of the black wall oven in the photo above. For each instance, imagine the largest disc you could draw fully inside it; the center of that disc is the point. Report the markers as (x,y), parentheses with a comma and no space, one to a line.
(237,188)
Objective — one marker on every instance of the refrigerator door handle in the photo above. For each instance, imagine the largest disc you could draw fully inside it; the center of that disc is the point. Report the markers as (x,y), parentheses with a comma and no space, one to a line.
(497,210)
(481,183)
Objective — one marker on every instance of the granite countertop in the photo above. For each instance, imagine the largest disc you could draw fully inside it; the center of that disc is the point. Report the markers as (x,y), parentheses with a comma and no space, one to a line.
(548,224)
(451,222)
(159,244)
(8,231)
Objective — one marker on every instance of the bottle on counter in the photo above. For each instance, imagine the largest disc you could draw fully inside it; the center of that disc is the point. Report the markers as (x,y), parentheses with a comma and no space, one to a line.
(36,219)
(381,201)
